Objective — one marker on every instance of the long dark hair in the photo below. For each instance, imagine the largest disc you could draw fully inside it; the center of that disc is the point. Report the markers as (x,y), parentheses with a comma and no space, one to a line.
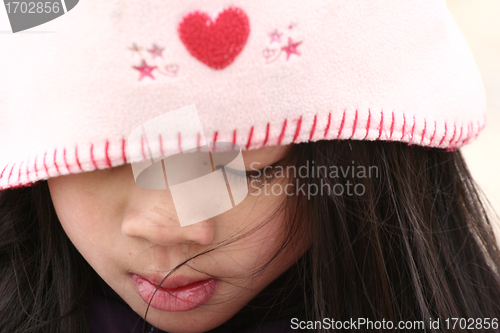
(416,244)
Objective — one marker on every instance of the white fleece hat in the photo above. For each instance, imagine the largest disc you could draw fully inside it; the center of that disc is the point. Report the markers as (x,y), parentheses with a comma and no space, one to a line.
(259,72)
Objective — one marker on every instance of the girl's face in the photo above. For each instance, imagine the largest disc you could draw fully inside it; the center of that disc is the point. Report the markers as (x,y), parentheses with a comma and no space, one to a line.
(132,238)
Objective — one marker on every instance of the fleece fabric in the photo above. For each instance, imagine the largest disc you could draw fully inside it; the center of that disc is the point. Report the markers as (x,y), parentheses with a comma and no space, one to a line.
(259,72)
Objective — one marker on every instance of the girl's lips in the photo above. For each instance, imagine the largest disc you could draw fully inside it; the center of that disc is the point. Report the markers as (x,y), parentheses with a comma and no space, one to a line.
(185,297)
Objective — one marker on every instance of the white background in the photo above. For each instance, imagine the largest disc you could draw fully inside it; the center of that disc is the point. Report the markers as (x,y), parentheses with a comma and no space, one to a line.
(480,23)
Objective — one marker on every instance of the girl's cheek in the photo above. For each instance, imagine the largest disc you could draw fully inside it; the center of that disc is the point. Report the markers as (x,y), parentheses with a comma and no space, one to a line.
(86,217)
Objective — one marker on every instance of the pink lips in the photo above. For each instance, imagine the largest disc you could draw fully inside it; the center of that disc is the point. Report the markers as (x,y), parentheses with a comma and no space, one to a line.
(179,294)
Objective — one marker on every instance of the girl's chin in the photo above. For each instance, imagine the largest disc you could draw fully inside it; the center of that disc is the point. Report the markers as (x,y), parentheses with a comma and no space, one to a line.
(188,322)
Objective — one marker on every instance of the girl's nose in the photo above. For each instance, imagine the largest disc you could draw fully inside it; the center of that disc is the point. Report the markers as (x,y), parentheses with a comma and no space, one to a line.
(164,229)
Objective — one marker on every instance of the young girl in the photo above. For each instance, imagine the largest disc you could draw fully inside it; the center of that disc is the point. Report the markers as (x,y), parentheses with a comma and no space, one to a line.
(360,212)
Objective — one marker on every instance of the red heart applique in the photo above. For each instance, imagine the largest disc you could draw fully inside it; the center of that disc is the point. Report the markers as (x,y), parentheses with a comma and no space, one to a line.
(217,42)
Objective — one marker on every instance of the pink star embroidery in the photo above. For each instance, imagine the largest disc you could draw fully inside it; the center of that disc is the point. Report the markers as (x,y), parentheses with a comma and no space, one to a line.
(291,48)
(145,70)
(135,48)
(156,51)
(275,36)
